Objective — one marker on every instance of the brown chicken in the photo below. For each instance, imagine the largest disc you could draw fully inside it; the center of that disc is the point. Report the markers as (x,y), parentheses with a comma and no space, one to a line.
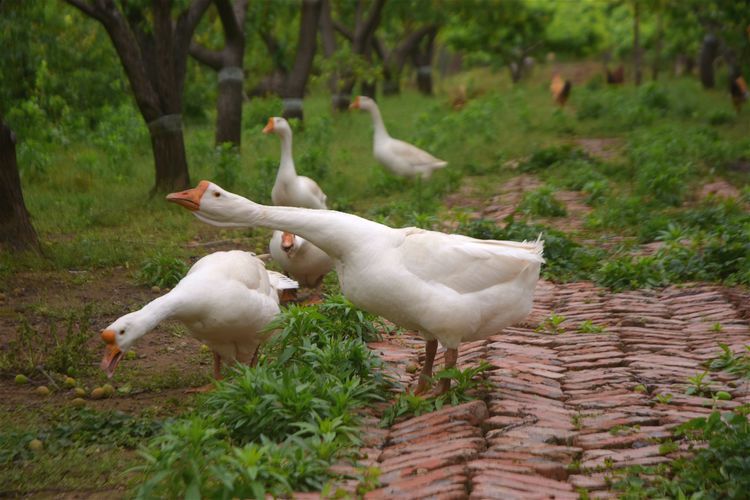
(738,88)
(617,76)
(560,89)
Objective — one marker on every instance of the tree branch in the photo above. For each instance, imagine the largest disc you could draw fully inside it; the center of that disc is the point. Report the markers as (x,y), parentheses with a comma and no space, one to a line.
(232,31)
(343,30)
(86,8)
(211,58)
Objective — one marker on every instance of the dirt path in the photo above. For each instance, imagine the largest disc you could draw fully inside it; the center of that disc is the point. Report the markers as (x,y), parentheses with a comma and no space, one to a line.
(564,408)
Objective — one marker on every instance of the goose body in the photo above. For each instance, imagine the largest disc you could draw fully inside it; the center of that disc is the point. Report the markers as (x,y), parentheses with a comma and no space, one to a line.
(398,156)
(302,260)
(290,189)
(225,300)
(450,288)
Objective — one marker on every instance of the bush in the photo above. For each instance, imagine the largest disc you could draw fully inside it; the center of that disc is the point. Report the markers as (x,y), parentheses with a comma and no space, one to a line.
(161,270)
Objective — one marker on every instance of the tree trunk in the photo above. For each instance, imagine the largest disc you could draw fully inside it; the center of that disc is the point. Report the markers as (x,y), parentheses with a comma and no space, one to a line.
(656,65)
(169,154)
(339,102)
(16,231)
(395,60)
(228,62)
(423,53)
(709,51)
(294,89)
(637,43)
(153,49)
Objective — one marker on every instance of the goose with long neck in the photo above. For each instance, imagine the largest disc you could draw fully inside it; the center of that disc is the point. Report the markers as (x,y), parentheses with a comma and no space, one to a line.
(450,288)
(226,300)
(398,156)
(290,189)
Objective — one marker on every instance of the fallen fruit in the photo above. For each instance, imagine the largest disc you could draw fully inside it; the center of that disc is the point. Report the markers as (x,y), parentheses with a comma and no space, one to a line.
(108,390)
(412,368)
(98,393)
(131,355)
(79,392)
(22,379)
(205,348)
(70,382)
(42,390)
(78,402)
(36,445)
(723,395)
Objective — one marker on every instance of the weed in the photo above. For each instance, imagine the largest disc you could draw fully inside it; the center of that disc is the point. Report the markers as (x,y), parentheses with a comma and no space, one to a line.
(542,203)
(589,326)
(552,325)
(664,399)
(735,364)
(161,270)
(700,385)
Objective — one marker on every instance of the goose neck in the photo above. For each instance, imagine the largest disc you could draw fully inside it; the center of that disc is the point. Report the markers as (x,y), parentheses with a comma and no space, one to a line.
(378,125)
(286,164)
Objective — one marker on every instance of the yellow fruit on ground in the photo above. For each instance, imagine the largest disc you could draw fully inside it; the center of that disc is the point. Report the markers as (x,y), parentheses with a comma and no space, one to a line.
(78,402)
(98,393)
(22,379)
(70,382)
(36,445)
(79,392)
(108,390)
(42,390)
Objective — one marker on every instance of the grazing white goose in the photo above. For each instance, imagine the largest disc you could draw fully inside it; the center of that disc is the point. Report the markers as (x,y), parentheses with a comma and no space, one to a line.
(449,287)
(225,300)
(290,189)
(302,260)
(399,157)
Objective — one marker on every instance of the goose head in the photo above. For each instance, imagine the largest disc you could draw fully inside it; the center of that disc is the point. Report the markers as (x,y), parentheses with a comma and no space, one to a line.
(277,125)
(216,206)
(363,102)
(289,243)
(118,337)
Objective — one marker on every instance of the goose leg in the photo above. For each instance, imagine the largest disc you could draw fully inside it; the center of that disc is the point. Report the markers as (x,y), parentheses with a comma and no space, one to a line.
(217,367)
(451,356)
(254,361)
(426,373)
(217,376)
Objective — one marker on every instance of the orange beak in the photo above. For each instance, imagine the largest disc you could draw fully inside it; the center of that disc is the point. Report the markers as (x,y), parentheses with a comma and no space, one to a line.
(190,199)
(269,126)
(355,104)
(112,353)
(287,241)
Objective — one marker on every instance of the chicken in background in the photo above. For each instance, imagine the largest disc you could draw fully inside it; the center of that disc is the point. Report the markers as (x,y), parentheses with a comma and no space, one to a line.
(738,89)
(617,76)
(560,89)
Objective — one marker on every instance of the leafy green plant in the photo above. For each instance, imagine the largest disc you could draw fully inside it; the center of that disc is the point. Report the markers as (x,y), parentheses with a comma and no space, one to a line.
(735,364)
(721,469)
(590,327)
(60,353)
(552,325)
(627,272)
(226,165)
(161,270)
(542,203)
(464,383)
(700,385)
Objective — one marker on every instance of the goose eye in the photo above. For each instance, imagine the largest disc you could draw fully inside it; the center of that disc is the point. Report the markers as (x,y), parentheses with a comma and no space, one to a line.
(217,194)
(122,332)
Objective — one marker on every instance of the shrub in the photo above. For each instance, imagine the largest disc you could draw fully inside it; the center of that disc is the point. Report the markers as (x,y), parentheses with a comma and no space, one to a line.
(161,270)
(542,203)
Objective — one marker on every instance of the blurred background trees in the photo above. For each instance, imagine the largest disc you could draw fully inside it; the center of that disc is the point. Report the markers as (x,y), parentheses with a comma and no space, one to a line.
(87,73)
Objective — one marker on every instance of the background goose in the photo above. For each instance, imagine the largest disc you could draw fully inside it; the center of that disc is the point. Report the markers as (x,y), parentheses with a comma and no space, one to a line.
(399,157)
(290,189)
(225,300)
(302,260)
(450,288)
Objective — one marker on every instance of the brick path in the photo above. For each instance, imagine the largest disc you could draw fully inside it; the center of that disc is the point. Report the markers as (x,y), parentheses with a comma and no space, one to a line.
(563,407)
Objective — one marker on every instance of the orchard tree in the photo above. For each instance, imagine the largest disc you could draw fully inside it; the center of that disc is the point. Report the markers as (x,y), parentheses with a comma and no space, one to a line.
(16,231)
(499,32)
(153,46)
(228,62)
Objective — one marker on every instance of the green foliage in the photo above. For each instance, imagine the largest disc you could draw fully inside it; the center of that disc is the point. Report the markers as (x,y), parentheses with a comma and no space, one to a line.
(552,325)
(59,353)
(541,202)
(720,470)
(275,428)
(628,273)
(589,326)
(79,428)
(700,385)
(161,270)
(226,165)
(735,364)
(464,386)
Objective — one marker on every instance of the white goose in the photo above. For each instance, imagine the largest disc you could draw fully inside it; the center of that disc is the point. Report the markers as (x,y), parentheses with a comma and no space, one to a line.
(302,260)
(297,257)
(226,300)
(450,288)
(399,157)
(290,189)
